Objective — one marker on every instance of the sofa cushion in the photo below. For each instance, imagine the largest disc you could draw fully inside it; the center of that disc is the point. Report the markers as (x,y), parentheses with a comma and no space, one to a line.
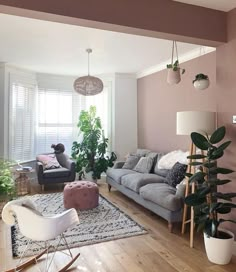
(167,161)
(57,173)
(116,174)
(137,180)
(144,165)
(163,195)
(131,162)
(176,174)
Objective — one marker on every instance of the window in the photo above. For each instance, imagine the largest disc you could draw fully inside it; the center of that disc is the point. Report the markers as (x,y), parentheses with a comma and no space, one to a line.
(46,111)
(55,122)
(22,96)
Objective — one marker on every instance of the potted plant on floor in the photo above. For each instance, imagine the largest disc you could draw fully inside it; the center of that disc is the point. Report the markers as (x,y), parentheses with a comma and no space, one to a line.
(173,69)
(208,203)
(90,153)
(7,185)
(201,82)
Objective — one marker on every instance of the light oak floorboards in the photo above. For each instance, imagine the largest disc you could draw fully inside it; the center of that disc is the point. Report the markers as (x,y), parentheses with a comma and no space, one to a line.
(157,251)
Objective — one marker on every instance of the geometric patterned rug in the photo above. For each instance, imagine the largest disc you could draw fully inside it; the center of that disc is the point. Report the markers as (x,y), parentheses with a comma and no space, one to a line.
(103,223)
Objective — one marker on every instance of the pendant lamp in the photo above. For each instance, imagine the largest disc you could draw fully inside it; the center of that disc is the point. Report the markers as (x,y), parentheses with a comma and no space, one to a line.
(88,85)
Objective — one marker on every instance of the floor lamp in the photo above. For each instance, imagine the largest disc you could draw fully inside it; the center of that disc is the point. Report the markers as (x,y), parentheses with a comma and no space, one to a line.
(187,122)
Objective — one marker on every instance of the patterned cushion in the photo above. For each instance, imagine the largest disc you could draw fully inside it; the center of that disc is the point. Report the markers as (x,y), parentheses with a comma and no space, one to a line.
(144,165)
(176,174)
(131,162)
(49,161)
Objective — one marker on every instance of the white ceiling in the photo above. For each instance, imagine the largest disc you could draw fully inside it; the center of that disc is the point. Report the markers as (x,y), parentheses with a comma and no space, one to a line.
(224,5)
(56,48)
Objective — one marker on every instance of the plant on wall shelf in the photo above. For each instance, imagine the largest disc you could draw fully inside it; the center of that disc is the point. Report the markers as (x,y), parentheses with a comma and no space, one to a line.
(201,82)
(208,203)
(90,153)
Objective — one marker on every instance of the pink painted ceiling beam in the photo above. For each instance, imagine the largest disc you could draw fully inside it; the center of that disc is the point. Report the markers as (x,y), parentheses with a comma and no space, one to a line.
(157,18)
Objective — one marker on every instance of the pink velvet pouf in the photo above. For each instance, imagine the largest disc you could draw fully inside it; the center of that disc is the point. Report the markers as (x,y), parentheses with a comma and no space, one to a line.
(81,195)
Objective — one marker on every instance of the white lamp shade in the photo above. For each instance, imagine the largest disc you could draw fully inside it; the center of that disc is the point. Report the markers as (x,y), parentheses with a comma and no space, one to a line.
(203,122)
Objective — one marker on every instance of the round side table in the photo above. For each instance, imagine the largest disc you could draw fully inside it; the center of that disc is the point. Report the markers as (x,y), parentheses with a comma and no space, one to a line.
(22,183)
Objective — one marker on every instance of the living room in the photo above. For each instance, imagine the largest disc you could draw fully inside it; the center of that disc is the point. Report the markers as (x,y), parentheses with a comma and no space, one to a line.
(157,104)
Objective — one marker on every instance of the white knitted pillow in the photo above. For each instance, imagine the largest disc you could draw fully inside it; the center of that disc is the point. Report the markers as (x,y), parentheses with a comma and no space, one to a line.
(168,160)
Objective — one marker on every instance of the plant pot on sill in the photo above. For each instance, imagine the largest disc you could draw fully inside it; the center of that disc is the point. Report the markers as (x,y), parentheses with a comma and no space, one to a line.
(219,250)
(201,84)
(173,77)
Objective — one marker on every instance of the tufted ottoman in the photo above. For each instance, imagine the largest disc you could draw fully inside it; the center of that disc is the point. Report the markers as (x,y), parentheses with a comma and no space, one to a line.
(81,195)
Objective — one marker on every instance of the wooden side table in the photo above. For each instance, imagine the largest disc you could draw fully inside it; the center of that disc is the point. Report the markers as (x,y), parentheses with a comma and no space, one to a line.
(22,182)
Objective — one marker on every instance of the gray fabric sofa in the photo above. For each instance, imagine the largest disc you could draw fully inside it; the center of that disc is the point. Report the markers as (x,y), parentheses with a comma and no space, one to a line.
(150,190)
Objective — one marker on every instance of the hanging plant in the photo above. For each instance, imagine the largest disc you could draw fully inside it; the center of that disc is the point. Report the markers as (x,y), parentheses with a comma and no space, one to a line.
(201,82)
(174,70)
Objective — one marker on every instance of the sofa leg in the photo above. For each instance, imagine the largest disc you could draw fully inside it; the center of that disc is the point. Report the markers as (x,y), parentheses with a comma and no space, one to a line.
(109,187)
(170,227)
(42,188)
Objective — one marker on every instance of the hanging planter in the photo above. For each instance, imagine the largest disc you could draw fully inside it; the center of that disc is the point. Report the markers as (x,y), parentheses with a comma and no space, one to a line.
(173,70)
(201,82)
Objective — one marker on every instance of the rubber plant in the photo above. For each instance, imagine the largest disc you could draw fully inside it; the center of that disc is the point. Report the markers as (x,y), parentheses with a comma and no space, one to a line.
(208,203)
(91,153)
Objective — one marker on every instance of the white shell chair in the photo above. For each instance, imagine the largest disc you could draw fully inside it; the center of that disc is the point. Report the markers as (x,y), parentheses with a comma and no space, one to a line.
(40,228)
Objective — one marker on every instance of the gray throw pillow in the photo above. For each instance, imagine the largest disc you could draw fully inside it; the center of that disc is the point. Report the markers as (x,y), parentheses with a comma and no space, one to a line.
(131,162)
(176,174)
(144,165)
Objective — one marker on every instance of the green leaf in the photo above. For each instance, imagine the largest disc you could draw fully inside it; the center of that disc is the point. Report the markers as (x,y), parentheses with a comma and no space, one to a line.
(196,157)
(199,140)
(194,200)
(217,135)
(220,170)
(225,196)
(198,176)
(216,182)
(223,146)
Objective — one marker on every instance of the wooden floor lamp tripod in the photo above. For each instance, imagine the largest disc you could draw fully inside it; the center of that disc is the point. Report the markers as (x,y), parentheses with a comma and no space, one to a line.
(186,123)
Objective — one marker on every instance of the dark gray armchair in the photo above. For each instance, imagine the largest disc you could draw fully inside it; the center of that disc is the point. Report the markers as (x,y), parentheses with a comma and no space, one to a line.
(65,173)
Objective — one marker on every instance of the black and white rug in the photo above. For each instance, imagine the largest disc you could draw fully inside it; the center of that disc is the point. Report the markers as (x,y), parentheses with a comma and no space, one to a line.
(104,223)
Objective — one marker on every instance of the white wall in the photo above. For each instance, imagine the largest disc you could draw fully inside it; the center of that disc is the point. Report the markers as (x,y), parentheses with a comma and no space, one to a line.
(124,117)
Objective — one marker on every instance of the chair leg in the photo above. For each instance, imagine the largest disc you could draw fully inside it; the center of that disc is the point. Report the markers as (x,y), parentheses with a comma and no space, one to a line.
(109,187)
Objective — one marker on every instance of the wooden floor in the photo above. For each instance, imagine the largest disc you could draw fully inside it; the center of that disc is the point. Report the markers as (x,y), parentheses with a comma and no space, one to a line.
(156,251)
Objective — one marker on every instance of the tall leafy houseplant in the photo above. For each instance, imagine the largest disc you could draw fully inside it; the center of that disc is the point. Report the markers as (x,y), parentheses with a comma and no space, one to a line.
(91,152)
(208,203)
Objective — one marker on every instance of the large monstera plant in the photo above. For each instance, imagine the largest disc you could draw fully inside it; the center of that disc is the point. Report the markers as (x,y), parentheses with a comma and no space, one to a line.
(91,153)
(208,203)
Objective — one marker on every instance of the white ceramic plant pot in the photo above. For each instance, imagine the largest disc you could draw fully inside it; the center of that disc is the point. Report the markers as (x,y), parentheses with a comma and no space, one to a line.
(219,251)
(173,77)
(201,84)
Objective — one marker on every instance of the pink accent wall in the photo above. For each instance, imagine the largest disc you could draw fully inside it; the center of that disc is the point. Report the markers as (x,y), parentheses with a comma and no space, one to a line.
(158,103)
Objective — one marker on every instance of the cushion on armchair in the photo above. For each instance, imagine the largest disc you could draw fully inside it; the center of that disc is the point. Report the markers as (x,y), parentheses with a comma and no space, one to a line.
(49,161)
